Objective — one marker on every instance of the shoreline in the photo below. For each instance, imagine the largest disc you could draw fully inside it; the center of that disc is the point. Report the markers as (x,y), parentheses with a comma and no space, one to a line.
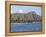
(25,23)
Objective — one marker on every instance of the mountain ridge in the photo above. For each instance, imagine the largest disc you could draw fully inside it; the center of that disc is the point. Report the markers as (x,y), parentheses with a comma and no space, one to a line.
(28,16)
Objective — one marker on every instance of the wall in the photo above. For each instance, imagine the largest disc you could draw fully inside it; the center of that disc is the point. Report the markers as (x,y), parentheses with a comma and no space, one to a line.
(2,19)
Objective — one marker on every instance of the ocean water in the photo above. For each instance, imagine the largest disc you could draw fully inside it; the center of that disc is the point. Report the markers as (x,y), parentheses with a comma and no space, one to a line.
(26,27)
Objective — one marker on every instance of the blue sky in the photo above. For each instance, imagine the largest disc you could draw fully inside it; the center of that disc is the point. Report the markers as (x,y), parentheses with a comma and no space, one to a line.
(25,9)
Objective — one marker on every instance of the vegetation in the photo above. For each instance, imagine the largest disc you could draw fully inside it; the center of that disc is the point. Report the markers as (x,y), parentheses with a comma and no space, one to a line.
(22,21)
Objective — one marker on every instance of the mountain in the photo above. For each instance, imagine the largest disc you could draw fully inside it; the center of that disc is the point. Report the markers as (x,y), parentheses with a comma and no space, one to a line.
(32,15)
(35,15)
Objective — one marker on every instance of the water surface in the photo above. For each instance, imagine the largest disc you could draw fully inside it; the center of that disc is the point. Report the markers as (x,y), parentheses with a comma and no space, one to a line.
(26,27)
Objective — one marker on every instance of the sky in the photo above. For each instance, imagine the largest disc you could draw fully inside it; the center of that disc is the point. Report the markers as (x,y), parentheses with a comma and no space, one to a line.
(25,9)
